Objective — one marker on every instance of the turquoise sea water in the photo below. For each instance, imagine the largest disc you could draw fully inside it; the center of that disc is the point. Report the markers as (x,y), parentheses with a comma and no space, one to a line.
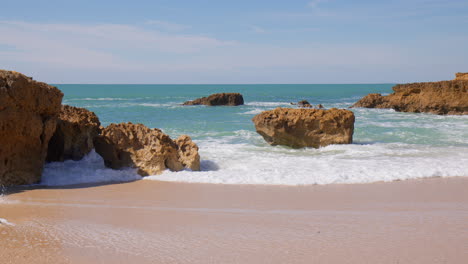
(387,145)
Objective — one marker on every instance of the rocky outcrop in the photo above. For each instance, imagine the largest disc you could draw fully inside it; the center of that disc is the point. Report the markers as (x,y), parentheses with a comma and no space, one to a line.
(149,150)
(304,104)
(299,128)
(188,153)
(461,76)
(445,97)
(28,116)
(73,138)
(230,99)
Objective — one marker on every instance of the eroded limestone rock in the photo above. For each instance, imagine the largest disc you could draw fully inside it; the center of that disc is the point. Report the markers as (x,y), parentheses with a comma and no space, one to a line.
(299,128)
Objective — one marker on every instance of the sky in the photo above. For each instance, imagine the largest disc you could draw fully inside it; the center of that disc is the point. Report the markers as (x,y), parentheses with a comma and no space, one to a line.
(256,41)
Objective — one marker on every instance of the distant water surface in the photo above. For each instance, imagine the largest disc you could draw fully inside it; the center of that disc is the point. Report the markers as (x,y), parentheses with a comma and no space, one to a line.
(387,145)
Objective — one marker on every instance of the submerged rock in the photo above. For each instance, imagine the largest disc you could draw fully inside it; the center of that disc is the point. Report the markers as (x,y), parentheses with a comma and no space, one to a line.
(304,104)
(149,150)
(73,138)
(299,128)
(230,99)
(28,116)
(443,98)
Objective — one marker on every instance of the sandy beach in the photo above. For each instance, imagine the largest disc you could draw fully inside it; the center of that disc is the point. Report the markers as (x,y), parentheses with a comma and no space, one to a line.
(415,221)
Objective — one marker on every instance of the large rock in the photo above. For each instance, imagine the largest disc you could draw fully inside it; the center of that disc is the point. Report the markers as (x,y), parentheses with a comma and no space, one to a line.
(445,97)
(28,116)
(304,104)
(231,99)
(299,128)
(73,138)
(149,150)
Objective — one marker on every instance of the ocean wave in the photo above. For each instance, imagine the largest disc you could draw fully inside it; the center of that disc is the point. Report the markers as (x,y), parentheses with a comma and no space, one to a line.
(247,164)
(253,112)
(255,162)
(124,105)
(268,104)
(102,99)
(90,169)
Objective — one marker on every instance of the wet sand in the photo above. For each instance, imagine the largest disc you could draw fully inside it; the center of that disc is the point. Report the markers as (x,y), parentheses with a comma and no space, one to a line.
(416,221)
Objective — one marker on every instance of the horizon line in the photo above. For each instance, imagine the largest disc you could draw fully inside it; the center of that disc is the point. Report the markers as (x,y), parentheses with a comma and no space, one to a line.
(215,83)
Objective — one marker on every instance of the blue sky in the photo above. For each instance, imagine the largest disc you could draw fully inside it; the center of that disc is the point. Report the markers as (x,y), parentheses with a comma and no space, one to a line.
(171,41)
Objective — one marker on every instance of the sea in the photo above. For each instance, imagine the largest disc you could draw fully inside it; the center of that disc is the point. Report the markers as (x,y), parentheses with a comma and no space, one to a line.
(387,145)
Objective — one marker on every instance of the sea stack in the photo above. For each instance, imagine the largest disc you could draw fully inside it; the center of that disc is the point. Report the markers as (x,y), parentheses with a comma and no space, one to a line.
(443,98)
(229,99)
(74,135)
(28,117)
(149,150)
(304,104)
(298,128)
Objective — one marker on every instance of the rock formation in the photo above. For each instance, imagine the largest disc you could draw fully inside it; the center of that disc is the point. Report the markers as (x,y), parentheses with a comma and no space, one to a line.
(149,150)
(445,97)
(230,99)
(304,104)
(28,116)
(73,138)
(463,76)
(188,153)
(299,128)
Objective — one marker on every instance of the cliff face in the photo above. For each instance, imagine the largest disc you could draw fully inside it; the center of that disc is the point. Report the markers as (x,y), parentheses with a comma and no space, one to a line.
(299,128)
(28,116)
(74,135)
(443,98)
(230,99)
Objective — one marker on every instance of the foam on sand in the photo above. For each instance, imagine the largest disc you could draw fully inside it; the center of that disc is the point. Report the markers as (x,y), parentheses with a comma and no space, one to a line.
(5,222)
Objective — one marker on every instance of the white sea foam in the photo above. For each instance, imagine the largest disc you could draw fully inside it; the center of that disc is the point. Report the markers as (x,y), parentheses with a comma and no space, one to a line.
(101,99)
(244,158)
(90,169)
(253,111)
(5,222)
(260,164)
(268,104)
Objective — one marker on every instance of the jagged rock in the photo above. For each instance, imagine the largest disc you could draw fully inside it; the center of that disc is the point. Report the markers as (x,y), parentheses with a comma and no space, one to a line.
(230,99)
(73,138)
(188,152)
(461,76)
(299,128)
(320,106)
(149,150)
(445,97)
(304,104)
(28,116)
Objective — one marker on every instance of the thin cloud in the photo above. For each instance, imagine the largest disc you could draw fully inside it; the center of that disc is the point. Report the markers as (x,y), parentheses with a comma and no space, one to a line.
(258,29)
(168,26)
(315,3)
